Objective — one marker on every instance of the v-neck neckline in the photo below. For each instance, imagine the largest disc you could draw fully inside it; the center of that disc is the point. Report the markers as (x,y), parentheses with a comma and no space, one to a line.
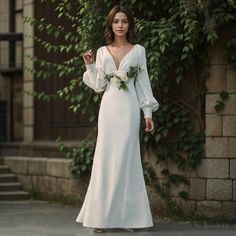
(113,59)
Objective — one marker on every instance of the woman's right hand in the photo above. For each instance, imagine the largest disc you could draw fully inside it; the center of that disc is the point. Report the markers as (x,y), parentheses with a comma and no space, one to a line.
(88,57)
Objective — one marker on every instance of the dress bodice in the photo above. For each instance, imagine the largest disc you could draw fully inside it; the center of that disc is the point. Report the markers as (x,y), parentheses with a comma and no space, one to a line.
(95,74)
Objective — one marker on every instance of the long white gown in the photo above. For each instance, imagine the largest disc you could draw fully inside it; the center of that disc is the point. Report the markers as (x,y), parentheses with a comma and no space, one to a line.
(116,196)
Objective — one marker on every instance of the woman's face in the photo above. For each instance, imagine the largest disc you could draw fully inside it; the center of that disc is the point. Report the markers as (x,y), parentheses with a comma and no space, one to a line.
(120,24)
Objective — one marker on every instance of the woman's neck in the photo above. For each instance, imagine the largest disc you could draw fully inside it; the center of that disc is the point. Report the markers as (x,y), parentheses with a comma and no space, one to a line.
(120,42)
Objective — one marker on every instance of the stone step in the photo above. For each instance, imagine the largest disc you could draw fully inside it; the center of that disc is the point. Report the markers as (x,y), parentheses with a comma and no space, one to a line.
(14,195)
(13,186)
(4,169)
(4,178)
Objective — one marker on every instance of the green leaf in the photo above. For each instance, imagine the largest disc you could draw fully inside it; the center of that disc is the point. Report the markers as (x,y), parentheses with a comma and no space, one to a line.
(165,132)
(157,137)
(183,195)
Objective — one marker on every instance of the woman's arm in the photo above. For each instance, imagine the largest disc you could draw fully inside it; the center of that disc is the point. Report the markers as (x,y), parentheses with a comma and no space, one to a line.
(143,87)
(94,74)
(144,92)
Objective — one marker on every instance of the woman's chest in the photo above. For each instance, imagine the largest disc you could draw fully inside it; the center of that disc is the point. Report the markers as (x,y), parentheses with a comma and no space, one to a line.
(121,61)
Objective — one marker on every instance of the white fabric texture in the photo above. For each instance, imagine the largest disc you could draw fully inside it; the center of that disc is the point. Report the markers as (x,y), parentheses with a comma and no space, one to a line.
(116,195)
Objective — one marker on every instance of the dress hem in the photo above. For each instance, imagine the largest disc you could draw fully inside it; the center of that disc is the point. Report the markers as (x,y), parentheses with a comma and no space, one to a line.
(115,226)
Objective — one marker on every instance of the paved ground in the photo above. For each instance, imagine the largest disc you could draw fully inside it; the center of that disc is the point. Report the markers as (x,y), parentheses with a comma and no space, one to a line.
(38,218)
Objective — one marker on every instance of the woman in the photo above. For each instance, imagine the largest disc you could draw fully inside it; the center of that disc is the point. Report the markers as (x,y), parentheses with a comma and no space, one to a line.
(116,195)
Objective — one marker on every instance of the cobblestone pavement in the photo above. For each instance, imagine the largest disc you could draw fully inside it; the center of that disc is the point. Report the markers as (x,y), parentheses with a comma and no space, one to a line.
(41,218)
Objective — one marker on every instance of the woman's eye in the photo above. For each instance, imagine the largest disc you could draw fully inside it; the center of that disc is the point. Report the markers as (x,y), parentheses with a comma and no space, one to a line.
(124,22)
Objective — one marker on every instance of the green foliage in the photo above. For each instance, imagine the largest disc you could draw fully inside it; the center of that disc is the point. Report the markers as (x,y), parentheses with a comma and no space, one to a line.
(176,35)
(220,103)
(230,48)
(82,157)
(184,195)
(149,173)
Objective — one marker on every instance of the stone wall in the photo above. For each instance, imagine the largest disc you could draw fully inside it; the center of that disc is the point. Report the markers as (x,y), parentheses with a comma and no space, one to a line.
(218,169)
(4,59)
(48,178)
(212,190)
(28,83)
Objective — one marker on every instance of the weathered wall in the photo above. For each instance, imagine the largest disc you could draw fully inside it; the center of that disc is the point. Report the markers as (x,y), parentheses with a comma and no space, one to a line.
(4,58)
(218,169)
(48,178)
(28,83)
(212,190)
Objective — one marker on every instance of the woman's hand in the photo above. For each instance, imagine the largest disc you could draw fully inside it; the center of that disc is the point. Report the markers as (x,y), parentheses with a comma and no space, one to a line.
(88,57)
(149,125)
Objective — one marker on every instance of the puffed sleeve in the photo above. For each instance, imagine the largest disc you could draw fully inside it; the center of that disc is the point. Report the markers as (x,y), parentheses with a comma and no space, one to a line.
(94,74)
(143,87)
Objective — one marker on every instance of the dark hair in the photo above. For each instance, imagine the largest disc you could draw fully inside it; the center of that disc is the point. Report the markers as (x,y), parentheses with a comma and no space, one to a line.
(109,35)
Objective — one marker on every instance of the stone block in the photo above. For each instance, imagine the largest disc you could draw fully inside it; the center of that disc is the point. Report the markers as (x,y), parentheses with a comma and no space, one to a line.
(234,189)
(208,208)
(73,188)
(28,133)
(229,109)
(187,206)
(217,55)
(28,77)
(229,125)
(197,189)
(155,199)
(18,165)
(47,186)
(58,167)
(26,181)
(230,105)
(4,54)
(19,23)
(219,189)
(211,102)
(19,5)
(193,174)
(4,6)
(28,99)
(52,186)
(37,166)
(231,80)
(229,210)
(217,79)
(19,55)
(172,167)
(233,169)
(232,147)
(4,26)
(28,29)
(213,168)
(175,189)
(28,116)
(213,125)
(39,184)
(28,2)
(216,147)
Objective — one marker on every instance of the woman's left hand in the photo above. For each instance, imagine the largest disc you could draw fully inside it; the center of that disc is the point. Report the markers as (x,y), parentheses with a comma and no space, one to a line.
(149,125)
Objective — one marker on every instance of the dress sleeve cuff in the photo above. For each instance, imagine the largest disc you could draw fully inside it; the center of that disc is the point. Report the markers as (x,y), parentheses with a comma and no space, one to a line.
(90,66)
(147,111)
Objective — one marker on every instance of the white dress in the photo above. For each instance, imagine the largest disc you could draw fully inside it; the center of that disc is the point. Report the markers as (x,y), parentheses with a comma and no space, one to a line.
(116,196)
